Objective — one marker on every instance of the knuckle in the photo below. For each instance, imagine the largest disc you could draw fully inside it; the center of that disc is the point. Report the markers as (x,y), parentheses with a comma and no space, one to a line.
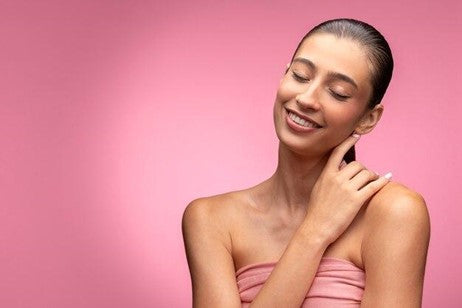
(368,189)
(344,186)
(353,163)
(372,187)
(357,164)
(338,181)
(372,174)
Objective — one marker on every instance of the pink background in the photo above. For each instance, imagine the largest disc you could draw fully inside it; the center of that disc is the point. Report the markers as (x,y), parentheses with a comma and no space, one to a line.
(116,114)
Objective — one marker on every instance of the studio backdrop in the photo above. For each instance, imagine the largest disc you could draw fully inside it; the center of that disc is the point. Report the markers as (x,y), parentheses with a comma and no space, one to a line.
(114,115)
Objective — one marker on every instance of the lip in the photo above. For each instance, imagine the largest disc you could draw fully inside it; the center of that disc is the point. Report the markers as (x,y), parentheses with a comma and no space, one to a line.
(297,127)
(303,117)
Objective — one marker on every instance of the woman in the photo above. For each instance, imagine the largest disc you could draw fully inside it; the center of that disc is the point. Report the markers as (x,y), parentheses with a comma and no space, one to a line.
(323,230)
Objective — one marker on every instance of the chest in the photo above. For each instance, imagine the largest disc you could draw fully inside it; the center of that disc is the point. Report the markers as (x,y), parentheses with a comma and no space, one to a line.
(260,238)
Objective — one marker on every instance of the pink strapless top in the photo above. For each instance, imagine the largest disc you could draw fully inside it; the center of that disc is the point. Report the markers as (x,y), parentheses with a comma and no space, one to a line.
(338,283)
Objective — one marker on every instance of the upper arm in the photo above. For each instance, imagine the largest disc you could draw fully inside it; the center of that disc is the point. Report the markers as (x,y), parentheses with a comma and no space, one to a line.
(394,250)
(208,251)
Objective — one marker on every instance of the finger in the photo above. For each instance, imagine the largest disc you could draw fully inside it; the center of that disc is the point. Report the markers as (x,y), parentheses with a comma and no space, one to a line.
(339,151)
(373,187)
(362,178)
(350,170)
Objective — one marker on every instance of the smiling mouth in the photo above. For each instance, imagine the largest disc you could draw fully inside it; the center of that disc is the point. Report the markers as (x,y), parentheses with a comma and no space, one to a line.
(302,122)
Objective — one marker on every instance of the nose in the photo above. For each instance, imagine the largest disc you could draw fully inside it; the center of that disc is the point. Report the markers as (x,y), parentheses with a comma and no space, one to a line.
(308,99)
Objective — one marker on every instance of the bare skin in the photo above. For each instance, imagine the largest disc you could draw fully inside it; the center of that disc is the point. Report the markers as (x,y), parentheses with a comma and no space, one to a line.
(311,207)
(283,197)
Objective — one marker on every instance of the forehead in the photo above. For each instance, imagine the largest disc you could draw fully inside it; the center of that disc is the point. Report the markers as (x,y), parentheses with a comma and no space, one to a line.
(340,55)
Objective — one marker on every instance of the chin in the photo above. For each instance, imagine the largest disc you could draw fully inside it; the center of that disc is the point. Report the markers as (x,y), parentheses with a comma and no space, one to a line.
(297,145)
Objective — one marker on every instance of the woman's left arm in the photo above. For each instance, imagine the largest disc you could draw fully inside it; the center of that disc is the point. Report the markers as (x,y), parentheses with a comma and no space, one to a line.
(394,248)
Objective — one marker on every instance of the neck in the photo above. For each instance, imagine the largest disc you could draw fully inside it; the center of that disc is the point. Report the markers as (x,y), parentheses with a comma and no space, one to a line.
(291,185)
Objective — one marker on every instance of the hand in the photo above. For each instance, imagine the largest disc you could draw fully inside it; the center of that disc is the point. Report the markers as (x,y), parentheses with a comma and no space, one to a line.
(340,192)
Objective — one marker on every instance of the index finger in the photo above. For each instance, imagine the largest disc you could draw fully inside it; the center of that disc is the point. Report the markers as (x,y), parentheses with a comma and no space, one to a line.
(339,152)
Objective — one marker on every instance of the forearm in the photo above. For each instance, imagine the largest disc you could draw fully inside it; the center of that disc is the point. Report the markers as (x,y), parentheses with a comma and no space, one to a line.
(293,275)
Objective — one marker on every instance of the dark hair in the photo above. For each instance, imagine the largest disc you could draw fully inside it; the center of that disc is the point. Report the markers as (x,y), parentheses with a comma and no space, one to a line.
(378,51)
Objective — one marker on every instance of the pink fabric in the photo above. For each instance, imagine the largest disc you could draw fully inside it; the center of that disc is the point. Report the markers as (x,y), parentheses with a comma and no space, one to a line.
(338,283)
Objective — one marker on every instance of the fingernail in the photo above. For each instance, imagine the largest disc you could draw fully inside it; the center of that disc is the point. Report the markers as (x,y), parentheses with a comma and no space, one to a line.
(356,135)
(388,175)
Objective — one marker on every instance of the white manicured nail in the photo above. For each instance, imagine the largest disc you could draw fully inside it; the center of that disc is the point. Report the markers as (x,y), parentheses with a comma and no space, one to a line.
(388,175)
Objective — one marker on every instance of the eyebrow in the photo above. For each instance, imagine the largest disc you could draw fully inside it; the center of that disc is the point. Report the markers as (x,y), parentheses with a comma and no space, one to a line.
(330,74)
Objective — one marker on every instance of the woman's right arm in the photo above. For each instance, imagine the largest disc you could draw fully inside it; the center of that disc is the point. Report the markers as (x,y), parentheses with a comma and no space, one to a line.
(208,250)
(335,200)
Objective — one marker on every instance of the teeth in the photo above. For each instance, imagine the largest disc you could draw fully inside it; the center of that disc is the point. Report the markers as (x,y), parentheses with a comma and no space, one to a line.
(302,122)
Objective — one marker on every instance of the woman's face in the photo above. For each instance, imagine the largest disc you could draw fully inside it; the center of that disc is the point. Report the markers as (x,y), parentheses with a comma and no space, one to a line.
(328,82)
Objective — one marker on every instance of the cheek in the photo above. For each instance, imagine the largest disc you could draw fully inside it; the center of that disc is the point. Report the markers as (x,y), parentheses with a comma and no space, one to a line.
(341,116)
(281,95)
(285,92)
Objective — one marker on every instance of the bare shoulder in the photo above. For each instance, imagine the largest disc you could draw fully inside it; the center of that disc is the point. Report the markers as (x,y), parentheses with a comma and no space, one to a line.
(397,202)
(206,223)
(394,247)
(217,211)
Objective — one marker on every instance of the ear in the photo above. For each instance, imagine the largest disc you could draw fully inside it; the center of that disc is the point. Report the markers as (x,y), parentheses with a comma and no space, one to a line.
(369,120)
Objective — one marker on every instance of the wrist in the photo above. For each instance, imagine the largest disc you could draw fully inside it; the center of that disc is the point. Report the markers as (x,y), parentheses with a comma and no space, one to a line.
(312,236)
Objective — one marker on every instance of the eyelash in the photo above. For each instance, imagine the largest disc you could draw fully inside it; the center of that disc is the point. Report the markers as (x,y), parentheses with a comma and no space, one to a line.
(336,95)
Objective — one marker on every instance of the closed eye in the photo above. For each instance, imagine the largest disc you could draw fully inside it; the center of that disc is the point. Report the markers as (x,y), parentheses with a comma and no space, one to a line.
(338,96)
(299,78)
(334,94)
